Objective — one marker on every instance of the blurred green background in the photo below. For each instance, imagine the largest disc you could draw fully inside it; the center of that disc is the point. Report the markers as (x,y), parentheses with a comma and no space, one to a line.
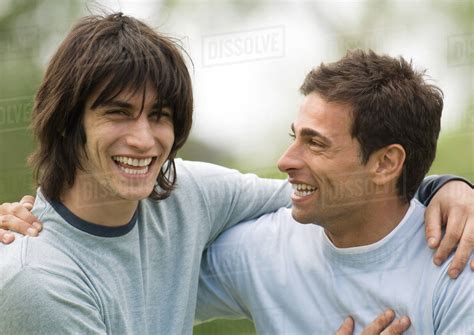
(31,29)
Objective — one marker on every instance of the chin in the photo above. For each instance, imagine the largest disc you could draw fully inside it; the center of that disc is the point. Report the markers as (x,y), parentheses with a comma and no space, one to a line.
(303,218)
(135,195)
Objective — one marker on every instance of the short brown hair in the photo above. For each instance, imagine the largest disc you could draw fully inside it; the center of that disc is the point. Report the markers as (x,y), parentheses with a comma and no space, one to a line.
(110,53)
(391,103)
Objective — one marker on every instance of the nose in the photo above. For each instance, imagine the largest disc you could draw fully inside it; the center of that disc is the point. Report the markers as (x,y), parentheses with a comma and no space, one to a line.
(140,134)
(291,160)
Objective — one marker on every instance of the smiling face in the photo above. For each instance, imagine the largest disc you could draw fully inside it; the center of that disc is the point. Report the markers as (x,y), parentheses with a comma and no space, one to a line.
(128,141)
(324,164)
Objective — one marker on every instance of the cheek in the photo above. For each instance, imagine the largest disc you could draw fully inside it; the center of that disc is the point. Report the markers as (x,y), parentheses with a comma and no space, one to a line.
(168,136)
(164,135)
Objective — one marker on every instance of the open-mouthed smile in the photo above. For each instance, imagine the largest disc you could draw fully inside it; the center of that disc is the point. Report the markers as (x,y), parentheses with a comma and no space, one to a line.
(133,166)
(303,190)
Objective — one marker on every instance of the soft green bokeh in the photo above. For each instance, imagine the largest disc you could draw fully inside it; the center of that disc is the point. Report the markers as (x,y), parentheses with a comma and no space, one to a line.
(27,26)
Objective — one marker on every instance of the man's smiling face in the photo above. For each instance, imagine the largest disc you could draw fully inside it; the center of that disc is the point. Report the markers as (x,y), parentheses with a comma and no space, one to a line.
(324,163)
(128,140)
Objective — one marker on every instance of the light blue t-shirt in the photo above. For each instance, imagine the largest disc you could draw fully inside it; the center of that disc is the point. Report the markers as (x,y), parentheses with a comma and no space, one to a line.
(290,279)
(141,278)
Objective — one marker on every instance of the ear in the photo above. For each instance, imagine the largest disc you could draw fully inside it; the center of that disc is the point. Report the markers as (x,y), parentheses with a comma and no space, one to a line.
(387,164)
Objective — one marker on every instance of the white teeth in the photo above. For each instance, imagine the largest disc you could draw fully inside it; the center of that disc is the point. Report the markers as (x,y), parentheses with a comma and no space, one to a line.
(132,161)
(134,171)
(302,194)
(303,190)
(303,187)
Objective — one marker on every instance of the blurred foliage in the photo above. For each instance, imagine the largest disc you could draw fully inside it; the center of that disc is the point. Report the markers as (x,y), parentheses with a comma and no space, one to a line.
(455,153)
(26,26)
(219,327)
(195,150)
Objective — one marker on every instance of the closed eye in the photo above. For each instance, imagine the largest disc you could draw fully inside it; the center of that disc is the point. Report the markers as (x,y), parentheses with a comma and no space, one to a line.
(117,112)
(318,144)
(158,114)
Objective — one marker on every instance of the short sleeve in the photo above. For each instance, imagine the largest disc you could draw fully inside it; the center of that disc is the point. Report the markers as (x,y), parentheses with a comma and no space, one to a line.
(35,301)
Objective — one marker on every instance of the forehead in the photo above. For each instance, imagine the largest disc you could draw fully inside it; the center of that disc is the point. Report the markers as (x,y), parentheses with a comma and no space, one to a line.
(147,93)
(330,118)
(143,95)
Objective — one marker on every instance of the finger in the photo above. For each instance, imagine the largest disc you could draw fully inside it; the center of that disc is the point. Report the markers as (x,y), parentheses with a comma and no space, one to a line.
(464,251)
(347,327)
(17,210)
(454,230)
(397,327)
(27,201)
(6,237)
(380,323)
(433,222)
(14,223)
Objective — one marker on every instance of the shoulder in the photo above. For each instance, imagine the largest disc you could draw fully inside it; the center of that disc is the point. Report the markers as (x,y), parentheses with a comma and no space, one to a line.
(267,226)
(38,272)
(43,290)
(12,260)
(196,170)
(39,255)
(35,256)
(197,167)
(207,174)
(254,240)
(44,301)
(201,179)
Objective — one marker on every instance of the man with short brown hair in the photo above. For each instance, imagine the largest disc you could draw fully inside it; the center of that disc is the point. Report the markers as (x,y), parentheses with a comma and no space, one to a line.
(353,242)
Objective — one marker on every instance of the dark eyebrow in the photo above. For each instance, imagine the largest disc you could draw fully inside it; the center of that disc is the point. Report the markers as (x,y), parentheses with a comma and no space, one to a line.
(308,132)
(126,105)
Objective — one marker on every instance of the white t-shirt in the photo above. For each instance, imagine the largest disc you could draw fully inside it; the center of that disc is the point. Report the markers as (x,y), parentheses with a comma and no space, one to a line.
(141,278)
(290,279)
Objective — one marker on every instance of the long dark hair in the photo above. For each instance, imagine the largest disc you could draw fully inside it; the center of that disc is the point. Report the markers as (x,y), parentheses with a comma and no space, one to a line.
(111,53)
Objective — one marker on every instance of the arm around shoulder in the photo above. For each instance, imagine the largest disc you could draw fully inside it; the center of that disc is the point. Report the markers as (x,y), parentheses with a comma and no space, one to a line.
(233,197)
(432,184)
(35,301)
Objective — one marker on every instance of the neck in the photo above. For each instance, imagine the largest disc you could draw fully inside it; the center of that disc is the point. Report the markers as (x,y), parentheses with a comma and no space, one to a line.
(367,225)
(93,205)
